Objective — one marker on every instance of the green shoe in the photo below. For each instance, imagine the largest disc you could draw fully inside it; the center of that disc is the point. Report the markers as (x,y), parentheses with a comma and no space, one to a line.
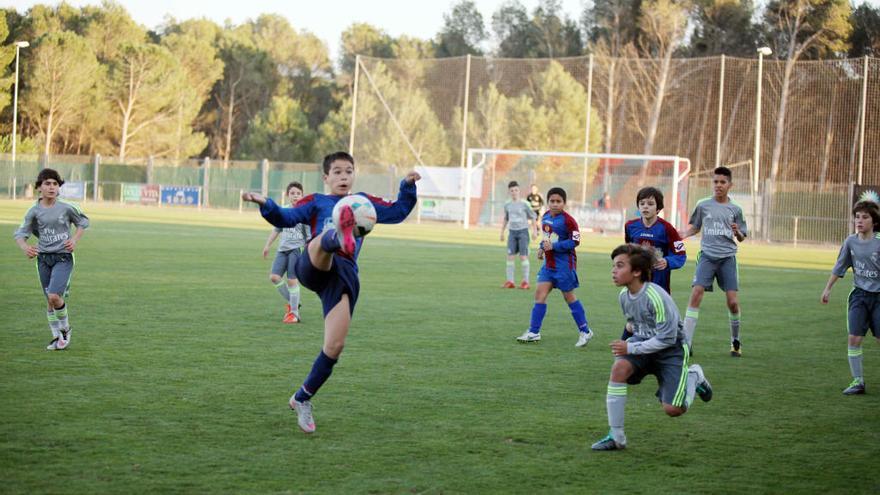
(857,387)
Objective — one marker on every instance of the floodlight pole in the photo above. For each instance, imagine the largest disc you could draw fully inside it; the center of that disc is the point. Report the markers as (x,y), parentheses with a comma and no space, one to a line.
(756,178)
(862,123)
(720,111)
(18,45)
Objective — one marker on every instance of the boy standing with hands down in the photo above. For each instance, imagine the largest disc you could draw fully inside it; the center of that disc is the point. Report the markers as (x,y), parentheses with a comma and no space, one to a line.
(518,217)
(722,224)
(861,252)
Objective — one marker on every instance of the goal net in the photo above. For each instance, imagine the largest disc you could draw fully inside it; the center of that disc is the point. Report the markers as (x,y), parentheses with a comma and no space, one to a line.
(601,188)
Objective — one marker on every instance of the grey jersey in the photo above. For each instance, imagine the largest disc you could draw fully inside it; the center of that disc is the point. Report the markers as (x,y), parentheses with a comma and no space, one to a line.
(714,220)
(293,237)
(655,319)
(864,258)
(518,213)
(51,225)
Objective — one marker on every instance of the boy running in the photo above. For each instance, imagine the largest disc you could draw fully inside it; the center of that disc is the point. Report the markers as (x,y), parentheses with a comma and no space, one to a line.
(290,248)
(518,217)
(861,252)
(330,267)
(722,223)
(49,220)
(656,348)
(561,236)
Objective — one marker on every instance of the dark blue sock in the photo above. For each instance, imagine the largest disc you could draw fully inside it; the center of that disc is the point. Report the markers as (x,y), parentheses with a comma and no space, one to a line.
(330,241)
(538,312)
(580,317)
(321,370)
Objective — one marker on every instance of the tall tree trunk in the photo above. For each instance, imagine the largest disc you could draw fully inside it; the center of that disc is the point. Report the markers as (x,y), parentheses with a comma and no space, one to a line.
(228,147)
(829,139)
(48,145)
(654,120)
(780,117)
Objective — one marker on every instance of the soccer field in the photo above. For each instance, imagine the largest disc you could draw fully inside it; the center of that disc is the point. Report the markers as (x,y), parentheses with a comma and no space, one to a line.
(179,372)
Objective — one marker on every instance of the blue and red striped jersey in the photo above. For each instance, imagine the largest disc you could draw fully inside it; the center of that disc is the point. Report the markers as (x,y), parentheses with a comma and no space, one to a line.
(662,238)
(562,230)
(316,210)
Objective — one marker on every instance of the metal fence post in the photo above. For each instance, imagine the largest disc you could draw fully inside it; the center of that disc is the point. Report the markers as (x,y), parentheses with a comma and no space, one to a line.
(862,120)
(264,177)
(796,218)
(720,111)
(97,167)
(205,181)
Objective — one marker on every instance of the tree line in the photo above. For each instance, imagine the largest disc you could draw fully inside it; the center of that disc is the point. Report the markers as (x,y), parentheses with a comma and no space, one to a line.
(95,81)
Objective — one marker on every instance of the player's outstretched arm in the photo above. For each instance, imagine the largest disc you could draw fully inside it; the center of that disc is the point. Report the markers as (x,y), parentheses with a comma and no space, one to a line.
(397,211)
(253,197)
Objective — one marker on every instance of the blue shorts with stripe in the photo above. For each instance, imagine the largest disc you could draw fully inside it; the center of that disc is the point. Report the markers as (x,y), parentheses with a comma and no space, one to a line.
(342,278)
(669,365)
(863,313)
(564,280)
(724,270)
(55,271)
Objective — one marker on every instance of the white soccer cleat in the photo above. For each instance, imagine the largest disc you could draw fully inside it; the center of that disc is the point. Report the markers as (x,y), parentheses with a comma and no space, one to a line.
(529,337)
(303,415)
(584,339)
(64,341)
(51,346)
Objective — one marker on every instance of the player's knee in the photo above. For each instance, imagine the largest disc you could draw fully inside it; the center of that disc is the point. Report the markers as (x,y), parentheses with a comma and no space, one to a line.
(620,371)
(274,278)
(673,411)
(55,300)
(334,349)
(291,282)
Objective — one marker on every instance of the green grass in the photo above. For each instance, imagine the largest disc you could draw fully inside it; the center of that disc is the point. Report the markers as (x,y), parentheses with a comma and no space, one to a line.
(179,372)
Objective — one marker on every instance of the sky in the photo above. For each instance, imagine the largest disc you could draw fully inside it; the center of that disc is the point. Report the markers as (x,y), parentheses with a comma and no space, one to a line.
(325,18)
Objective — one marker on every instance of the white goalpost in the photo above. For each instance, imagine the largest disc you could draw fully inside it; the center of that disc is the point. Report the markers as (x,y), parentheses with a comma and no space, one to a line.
(585,176)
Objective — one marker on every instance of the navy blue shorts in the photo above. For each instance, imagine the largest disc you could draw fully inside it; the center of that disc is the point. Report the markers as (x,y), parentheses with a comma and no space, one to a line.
(342,278)
(863,313)
(564,280)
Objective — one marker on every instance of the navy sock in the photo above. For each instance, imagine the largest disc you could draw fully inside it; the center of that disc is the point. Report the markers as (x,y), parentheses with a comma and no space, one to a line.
(321,370)
(580,317)
(538,312)
(330,241)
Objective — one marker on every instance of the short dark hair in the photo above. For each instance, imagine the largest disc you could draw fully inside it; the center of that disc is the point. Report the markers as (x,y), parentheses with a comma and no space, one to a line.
(650,192)
(512,183)
(336,155)
(723,171)
(49,173)
(559,191)
(871,208)
(294,184)
(640,259)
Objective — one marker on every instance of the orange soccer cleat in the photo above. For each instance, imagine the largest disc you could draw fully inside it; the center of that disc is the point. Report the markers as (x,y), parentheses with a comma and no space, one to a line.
(524,284)
(290,318)
(508,285)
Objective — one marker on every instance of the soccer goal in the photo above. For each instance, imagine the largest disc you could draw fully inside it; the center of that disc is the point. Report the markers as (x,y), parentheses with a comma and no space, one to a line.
(601,187)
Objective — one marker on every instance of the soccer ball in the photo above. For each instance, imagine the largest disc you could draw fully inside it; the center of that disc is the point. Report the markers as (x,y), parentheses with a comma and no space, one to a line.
(364,213)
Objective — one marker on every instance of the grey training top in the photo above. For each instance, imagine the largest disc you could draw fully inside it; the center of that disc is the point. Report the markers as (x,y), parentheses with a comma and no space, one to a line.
(517,214)
(654,317)
(51,225)
(293,237)
(714,220)
(864,258)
